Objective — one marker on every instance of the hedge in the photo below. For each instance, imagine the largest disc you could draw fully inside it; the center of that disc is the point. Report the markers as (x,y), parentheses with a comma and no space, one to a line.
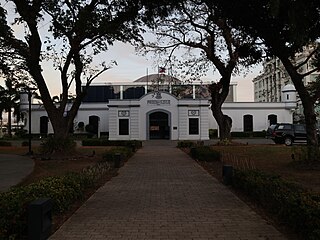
(125,153)
(63,190)
(204,153)
(298,208)
(5,144)
(248,134)
(185,144)
(213,133)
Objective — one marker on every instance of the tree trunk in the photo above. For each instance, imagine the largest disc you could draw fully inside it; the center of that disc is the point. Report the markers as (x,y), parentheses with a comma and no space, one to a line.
(60,127)
(224,121)
(313,152)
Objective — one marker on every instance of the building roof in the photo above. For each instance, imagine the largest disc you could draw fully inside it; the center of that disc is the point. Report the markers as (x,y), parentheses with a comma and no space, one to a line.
(289,88)
(163,78)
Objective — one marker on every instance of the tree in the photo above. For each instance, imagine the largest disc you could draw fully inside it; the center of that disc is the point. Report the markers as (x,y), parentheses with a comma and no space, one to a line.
(81,29)
(9,100)
(285,27)
(200,26)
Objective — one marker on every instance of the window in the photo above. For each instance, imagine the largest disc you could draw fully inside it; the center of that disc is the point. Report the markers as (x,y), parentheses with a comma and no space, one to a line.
(272,118)
(133,92)
(123,126)
(300,128)
(285,126)
(101,93)
(193,126)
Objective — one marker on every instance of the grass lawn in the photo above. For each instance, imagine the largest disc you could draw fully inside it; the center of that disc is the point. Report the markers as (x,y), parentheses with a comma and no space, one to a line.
(276,159)
(87,156)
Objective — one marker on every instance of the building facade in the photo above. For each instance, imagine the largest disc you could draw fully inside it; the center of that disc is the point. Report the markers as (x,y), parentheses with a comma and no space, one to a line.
(268,85)
(146,110)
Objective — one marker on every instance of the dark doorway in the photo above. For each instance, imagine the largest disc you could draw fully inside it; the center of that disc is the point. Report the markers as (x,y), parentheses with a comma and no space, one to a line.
(248,123)
(44,126)
(94,123)
(272,119)
(159,126)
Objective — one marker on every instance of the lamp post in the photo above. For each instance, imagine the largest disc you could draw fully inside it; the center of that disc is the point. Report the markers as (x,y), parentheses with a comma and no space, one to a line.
(29,100)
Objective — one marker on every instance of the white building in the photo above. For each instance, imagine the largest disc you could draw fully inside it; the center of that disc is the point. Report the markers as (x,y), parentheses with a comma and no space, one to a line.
(163,108)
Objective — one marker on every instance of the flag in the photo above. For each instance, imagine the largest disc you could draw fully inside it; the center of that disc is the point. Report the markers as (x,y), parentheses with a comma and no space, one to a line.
(162,69)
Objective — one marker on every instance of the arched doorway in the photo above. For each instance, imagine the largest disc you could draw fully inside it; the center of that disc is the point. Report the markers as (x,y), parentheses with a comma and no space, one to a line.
(44,125)
(159,127)
(94,123)
(247,123)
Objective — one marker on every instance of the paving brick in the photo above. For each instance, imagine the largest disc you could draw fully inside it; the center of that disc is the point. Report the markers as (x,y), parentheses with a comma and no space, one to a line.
(161,193)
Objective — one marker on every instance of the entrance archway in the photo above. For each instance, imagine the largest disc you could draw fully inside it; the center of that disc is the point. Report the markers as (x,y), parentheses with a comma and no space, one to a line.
(159,125)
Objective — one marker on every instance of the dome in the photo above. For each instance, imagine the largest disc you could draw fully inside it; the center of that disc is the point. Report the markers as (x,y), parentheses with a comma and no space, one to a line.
(289,88)
(158,77)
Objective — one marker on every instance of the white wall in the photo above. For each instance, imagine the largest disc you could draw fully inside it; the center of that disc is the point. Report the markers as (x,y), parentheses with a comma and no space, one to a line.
(259,111)
(179,116)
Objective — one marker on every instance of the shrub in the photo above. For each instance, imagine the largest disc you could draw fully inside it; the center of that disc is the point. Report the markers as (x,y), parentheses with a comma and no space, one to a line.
(81,126)
(205,153)
(63,191)
(125,153)
(21,133)
(241,134)
(93,142)
(291,203)
(52,144)
(259,134)
(213,133)
(185,144)
(5,143)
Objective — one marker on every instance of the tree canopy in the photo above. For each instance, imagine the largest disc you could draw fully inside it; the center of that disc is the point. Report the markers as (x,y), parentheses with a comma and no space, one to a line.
(69,34)
(285,27)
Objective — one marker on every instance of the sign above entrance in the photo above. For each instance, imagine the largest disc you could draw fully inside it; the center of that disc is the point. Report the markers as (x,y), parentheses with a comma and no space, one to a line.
(158,102)
(193,112)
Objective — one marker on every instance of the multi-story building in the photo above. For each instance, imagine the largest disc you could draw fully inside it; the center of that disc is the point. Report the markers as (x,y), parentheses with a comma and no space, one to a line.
(268,85)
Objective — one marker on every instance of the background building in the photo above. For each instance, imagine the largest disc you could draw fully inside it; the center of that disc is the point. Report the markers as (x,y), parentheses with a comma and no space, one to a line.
(269,84)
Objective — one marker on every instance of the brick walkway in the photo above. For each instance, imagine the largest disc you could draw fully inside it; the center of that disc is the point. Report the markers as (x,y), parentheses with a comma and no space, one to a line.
(163,194)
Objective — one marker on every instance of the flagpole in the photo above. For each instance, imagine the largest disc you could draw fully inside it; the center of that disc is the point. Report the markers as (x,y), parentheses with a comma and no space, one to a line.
(147,80)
